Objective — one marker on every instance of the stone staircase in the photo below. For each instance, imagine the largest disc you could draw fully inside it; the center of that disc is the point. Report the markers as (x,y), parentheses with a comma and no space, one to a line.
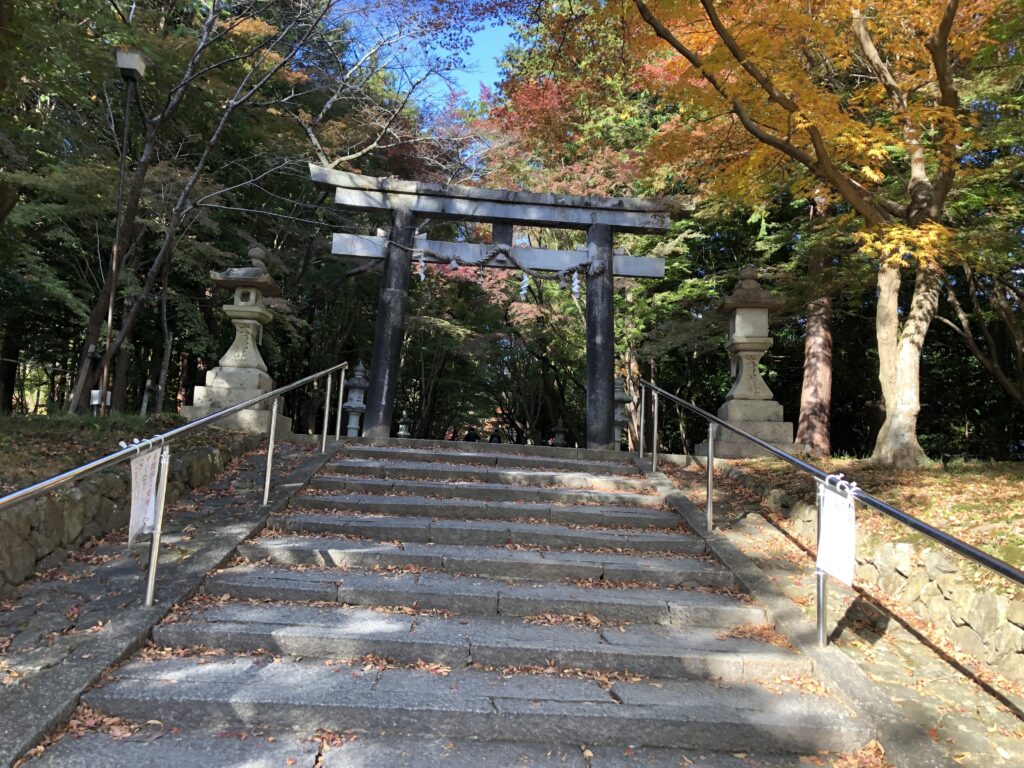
(422,604)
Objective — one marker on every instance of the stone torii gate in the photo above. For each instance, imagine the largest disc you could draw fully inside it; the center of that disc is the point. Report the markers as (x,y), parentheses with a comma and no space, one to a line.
(601,217)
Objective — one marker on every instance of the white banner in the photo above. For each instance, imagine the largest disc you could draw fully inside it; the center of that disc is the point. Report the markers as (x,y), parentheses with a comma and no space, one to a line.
(837,539)
(145,470)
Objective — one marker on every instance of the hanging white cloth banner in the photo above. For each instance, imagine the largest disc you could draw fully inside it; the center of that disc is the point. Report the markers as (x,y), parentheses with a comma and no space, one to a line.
(837,537)
(145,470)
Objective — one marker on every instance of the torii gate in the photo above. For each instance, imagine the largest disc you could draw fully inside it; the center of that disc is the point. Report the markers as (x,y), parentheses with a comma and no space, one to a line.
(405,200)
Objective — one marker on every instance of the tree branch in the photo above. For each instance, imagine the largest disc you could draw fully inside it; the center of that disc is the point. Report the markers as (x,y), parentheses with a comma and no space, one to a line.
(744,60)
(938,47)
(879,67)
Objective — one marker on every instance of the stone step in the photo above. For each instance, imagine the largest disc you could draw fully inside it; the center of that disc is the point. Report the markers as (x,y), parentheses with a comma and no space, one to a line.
(461,446)
(462,509)
(338,632)
(481,491)
(203,749)
(483,706)
(488,533)
(441,470)
(489,561)
(475,596)
(483,458)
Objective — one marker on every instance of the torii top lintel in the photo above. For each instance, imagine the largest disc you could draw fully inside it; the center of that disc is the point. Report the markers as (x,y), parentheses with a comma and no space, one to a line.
(533,209)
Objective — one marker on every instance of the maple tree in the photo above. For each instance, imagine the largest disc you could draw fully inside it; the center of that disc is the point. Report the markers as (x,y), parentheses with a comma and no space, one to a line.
(863,98)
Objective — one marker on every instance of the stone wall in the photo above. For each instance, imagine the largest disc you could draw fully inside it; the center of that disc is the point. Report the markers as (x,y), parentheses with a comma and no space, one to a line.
(39,533)
(926,579)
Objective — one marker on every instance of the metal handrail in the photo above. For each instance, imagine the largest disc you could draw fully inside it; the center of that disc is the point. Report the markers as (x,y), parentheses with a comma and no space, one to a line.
(947,540)
(162,442)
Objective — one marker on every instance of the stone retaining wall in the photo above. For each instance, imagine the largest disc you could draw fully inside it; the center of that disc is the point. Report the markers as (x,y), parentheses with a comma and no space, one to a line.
(924,578)
(38,534)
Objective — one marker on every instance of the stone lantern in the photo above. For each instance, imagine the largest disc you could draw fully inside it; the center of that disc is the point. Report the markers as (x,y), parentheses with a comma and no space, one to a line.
(750,404)
(242,374)
(559,440)
(621,420)
(404,425)
(356,403)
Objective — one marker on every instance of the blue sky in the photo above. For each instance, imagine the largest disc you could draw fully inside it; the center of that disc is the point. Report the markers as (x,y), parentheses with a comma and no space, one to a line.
(482,59)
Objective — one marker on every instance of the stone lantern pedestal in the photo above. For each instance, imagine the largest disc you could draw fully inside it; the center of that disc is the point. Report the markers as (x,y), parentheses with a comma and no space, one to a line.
(242,374)
(750,405)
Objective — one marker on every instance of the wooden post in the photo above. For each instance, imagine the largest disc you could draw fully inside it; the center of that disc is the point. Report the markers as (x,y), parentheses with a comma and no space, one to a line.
(387,338)
(600,338)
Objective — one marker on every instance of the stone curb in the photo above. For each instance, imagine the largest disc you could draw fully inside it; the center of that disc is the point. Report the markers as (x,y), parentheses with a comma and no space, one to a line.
(29,714)
(906,744)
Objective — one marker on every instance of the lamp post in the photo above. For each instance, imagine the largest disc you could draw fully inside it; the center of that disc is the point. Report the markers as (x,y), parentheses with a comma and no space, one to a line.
(133,68)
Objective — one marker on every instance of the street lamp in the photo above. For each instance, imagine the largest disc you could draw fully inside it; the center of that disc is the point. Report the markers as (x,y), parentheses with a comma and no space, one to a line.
(133,68)
(131,64)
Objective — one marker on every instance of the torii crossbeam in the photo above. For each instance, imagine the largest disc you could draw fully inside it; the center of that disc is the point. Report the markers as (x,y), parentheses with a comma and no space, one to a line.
(601,217)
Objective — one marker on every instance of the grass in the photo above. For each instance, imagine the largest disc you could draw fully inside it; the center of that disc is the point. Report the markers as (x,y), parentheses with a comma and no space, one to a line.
(33,448)
(980,502)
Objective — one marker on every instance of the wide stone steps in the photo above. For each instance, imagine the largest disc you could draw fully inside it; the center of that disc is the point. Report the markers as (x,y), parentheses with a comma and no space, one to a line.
(490,533)
(471,704)
(481,491)
(675,571)
(351,633)
(472,596)
(466,509)
(400,469)
(206,748)
(481,457)
(516,605)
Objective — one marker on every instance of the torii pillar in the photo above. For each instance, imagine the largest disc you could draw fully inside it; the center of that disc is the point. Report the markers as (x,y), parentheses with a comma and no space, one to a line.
(600,338)
(387,337)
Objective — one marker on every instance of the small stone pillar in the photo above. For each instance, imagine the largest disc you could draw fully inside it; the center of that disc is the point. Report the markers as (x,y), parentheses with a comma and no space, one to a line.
(750,405)
(621,420)
(356,403)
(242,374)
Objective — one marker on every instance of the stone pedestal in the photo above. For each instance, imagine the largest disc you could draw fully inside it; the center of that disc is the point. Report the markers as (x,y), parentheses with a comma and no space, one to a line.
(750,405)
(242,374)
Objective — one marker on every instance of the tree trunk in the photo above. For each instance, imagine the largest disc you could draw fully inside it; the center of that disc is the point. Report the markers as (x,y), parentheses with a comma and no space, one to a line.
(899,363)
(10,354)
(168,344)
(813,427)
(119,386)
(87,356)
(633,390)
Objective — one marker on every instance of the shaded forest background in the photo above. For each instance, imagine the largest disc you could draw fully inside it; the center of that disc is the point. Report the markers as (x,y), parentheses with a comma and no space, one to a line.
(239,98)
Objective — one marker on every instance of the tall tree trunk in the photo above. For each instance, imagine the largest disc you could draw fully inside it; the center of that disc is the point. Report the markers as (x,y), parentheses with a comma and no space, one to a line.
(168,344)
(119,385)
(10,354)
(813,428)
(633,390)
(899,363)
(87,356)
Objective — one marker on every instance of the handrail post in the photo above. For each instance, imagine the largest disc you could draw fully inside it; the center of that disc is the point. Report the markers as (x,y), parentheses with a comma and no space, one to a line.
(822,607)
(822,589)
(341,398)
(270,451)
(327,413)
(643,415)
(711,477)
(654,446)
(158,522)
